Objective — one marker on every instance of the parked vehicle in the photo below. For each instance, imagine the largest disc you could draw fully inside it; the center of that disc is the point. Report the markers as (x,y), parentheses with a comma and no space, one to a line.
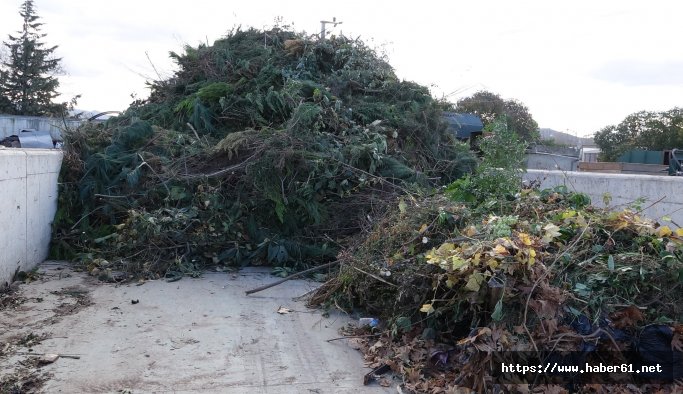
(676,162)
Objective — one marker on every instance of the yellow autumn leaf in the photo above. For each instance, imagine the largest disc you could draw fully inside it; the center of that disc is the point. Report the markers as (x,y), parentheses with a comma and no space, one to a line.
(493,263)
(520,256)
(664,231)
(679,232)
(532,256)
(423,228)
(431,256)
(506,242)
(427,308)
(476,258)
(458,263)
(525,238)
(445,248)
(500,249)
(568,214)
(474,281)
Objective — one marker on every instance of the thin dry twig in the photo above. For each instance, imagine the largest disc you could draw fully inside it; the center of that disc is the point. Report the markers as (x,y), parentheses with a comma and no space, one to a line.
(194,131)
(74,356)
(374,276)
(292,276)
(86,215)
(593,335)
(651,205)
(543,276)
(222,171)
(354,336)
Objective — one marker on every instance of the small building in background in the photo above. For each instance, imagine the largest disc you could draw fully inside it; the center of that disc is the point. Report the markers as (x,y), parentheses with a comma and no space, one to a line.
(589,154)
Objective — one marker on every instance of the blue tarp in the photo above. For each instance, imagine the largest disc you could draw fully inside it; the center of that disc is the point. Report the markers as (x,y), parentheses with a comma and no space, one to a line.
(463,125)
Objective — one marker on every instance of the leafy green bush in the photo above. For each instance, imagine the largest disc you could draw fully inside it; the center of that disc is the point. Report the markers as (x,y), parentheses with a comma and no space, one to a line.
(499,173)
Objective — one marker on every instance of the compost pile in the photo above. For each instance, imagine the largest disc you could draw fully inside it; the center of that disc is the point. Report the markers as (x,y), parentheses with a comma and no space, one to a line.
(267,147)
(459,288)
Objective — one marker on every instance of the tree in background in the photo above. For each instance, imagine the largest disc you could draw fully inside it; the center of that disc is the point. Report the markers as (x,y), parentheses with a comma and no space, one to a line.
(27,79)
(4,101)
(5,104)
(642,130)
(499,173)
(490,106)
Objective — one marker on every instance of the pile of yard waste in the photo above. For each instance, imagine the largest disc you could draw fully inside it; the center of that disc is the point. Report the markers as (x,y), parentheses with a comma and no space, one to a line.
(267,147)
(538,278)
(271,147)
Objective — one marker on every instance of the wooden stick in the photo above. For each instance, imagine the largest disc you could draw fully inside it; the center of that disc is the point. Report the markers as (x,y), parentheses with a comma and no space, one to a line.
(374,276)
(194,131)
(292,276)
(74,356)
(354,336)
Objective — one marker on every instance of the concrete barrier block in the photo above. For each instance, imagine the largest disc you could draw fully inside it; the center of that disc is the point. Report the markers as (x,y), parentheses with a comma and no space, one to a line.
(13,210)
(42,161)
(661,195)
(28,203)
(41,194)
(12,164)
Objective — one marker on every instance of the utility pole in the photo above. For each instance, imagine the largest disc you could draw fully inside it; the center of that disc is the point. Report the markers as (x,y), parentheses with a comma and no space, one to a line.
(322,26)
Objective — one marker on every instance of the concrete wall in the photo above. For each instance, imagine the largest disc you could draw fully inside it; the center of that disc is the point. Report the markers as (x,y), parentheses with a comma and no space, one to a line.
(547,161)
(556,150)
(664,193)
(28,203)
(11,125)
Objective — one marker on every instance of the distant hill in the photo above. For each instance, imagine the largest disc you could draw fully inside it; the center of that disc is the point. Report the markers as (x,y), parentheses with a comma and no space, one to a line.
(562,138)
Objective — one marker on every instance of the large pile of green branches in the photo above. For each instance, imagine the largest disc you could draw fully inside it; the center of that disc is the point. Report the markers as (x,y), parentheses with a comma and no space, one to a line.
(265,147)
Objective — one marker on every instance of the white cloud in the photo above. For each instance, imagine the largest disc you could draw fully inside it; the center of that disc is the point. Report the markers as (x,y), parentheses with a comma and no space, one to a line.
(636,72)
(574,64)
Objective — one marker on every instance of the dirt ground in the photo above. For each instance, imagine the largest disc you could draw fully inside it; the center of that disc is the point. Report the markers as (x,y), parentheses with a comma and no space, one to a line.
(193,335)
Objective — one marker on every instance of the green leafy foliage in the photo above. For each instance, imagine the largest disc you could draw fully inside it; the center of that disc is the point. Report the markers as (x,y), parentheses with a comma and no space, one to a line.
(272,157)
(499,173)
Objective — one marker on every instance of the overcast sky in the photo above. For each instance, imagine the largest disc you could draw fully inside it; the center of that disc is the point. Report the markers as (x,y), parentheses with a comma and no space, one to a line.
(578,65)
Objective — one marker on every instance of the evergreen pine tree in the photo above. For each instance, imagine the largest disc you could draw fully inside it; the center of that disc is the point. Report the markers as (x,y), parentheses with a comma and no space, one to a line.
(28,79)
